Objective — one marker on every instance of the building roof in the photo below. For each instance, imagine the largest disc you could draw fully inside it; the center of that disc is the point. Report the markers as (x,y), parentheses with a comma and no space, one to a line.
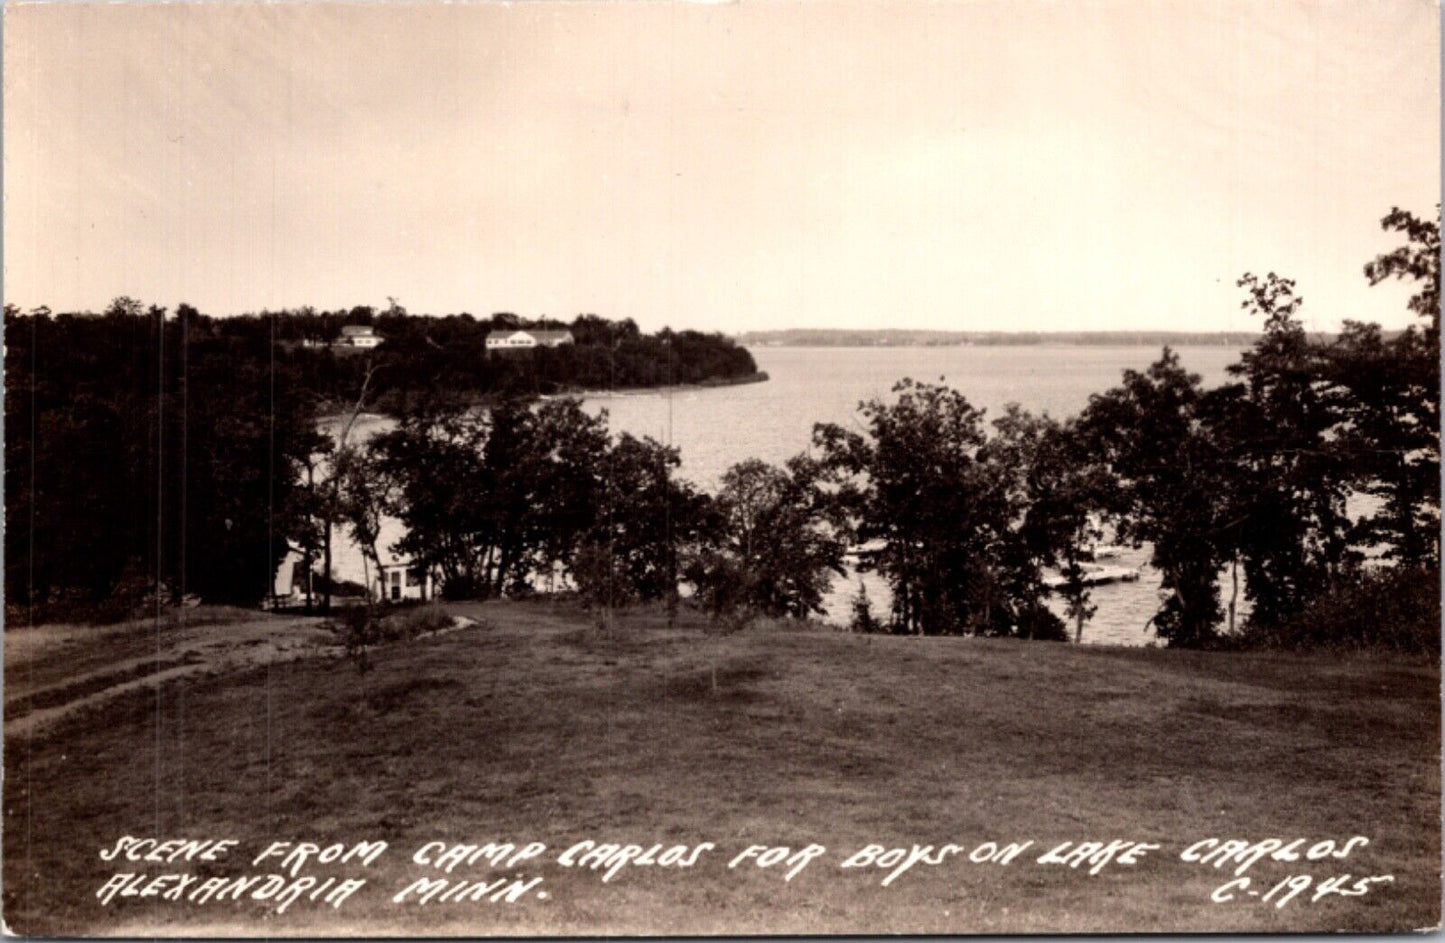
(357,330)
(538,333)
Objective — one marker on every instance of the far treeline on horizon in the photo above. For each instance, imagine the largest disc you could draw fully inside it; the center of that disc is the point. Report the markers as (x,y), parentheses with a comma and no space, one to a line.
(904,337)
(155,457)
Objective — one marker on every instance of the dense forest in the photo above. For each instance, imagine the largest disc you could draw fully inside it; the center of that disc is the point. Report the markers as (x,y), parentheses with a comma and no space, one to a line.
(165,455)
(425,355)
(146,447)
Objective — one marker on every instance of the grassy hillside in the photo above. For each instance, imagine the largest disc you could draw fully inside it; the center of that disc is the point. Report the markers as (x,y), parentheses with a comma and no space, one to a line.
(530,725)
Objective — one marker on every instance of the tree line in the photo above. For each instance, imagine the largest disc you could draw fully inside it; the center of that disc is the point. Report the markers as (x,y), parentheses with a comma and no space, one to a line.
(147,448)
(523,497)
(1242,492)
(1251,479)
(1245,484)
(426,356)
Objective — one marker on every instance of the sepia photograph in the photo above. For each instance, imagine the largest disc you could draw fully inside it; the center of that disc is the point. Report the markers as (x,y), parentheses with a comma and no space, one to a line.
(775,467)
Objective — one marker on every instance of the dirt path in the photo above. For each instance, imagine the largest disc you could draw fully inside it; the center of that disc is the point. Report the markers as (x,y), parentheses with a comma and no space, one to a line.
(53,671)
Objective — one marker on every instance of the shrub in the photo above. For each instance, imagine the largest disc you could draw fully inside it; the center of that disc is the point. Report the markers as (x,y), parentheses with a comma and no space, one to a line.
(463,586)
(411,622)
(1038,623)
(358,629)
(863,620)
(339,587)
(600,581)
(1393,609)
(724,589)
(78,611)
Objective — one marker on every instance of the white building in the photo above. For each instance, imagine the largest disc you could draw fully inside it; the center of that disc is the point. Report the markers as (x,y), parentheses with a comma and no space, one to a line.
(402,580)
(524,340)
(359,335)
(289,586)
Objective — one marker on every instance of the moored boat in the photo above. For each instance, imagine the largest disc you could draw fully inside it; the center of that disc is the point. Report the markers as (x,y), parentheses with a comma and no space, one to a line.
(1096,576)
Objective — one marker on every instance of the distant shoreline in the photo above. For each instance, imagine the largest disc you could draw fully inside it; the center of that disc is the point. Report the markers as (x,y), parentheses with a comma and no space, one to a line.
(860,345)
(757,376)
(899,337)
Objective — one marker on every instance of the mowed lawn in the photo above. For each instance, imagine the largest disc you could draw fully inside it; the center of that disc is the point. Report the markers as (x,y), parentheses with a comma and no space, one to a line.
(533,726)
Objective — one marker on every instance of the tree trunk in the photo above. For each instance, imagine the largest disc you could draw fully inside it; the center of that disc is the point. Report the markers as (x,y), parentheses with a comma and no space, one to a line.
(374,555)
(1410,551)
(310,497)
(1234,590)
(326,555)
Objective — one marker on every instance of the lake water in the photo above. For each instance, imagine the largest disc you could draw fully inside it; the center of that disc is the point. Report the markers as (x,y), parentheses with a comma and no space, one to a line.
(717,427)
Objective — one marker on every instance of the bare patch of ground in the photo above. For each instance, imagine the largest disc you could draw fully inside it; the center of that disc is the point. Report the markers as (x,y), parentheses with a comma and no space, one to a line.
(51,672)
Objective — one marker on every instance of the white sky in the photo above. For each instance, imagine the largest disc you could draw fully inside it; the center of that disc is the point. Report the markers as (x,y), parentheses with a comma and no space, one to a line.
(978,165)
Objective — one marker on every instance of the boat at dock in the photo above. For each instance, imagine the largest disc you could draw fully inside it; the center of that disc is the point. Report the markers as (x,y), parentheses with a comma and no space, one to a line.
(869,548)
(1107,551)
(1096,576)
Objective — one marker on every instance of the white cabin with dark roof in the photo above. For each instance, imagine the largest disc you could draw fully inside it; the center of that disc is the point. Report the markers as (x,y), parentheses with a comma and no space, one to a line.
(527,339)
(359,335)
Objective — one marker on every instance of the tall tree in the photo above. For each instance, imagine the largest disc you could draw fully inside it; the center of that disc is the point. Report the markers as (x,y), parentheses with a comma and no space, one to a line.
(1417,261)
(496,499)
(1390,397)
(445,500)
(647,520)
(920,485)
(1060,491)
(778,527)
(1170,476)
(1277,430)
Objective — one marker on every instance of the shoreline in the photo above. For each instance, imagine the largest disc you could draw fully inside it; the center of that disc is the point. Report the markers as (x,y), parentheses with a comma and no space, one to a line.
(1051,345)
(757,376)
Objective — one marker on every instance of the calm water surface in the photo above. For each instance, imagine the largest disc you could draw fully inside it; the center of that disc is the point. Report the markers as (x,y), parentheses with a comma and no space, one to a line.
(715,428)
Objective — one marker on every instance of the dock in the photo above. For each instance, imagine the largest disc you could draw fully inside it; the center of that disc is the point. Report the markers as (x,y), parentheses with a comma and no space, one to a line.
(1097,576)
